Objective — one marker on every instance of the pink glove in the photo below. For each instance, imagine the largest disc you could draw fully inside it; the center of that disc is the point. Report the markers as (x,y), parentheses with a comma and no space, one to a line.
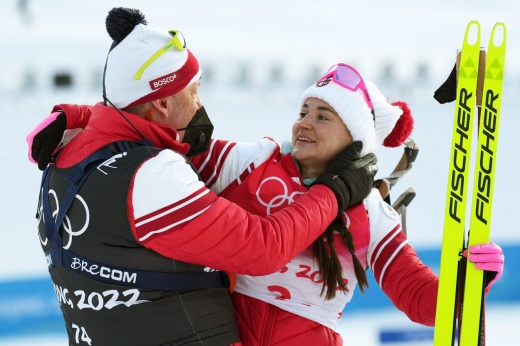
(44,140)
(488,257)
(30,137)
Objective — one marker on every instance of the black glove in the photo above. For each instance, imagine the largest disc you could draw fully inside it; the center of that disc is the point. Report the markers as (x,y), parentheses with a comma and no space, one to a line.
(351,178)
(47,140)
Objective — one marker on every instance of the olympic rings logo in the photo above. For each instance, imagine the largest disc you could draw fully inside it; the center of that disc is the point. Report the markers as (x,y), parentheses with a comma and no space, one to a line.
(278,200)
(67,224)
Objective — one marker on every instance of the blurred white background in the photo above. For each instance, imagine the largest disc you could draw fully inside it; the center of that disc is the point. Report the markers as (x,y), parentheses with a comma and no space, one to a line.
(257,58)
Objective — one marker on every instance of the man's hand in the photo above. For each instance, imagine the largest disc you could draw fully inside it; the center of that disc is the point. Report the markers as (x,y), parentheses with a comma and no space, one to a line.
(44,139)
(350,177)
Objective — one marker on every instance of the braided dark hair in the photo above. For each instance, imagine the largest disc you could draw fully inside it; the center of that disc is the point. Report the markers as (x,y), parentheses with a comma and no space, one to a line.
(328,261)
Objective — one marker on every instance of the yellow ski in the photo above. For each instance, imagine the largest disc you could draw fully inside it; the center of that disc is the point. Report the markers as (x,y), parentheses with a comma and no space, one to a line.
(454,220)
(472,332)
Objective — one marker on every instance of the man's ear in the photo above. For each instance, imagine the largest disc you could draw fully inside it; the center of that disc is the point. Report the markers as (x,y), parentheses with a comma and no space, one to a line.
(161,107)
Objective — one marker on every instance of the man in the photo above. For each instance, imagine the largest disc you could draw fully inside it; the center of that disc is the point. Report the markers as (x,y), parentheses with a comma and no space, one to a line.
(136,244)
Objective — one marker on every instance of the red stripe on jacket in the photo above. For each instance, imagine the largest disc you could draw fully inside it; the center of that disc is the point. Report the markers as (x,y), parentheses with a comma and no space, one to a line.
(174,215)
(209,166)
(387,249)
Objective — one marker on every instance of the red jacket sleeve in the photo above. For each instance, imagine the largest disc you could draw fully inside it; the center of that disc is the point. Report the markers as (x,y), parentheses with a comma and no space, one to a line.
(412,286)
(77,115)
(227,238)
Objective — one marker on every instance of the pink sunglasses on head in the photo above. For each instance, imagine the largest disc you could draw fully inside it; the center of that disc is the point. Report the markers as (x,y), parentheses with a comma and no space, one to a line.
(347,77)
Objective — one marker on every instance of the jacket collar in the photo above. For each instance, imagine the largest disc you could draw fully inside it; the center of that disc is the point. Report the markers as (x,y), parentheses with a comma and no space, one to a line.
(106,126)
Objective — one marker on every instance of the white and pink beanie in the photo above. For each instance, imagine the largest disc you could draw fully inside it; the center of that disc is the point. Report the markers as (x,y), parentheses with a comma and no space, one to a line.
(393,121)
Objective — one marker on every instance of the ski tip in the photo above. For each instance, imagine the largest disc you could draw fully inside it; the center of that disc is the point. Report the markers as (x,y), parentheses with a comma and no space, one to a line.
(498,35)
(472,35)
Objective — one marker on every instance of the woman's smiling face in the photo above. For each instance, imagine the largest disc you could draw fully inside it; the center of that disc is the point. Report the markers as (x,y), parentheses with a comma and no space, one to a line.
(318,135)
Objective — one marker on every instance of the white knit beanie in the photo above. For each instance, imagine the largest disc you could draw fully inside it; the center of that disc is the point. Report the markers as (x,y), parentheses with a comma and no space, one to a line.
(134,43)
(393,121)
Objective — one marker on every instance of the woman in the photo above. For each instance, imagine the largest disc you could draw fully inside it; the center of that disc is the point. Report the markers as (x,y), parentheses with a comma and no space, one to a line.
(302,303)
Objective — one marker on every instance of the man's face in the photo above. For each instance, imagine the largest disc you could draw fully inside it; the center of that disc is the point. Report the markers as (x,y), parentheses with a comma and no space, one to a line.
(184,105)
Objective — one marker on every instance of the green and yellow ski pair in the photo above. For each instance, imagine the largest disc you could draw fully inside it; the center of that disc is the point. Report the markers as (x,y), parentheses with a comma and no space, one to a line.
(451,320)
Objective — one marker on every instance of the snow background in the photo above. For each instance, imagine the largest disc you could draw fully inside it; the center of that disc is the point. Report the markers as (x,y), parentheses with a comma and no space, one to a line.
(407,48)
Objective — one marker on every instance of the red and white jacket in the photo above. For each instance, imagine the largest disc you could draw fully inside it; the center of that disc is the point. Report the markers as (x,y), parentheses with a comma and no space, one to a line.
(263,180)
(176,215)
(285,307)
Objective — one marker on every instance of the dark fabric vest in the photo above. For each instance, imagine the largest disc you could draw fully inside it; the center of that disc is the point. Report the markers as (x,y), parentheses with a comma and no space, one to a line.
(98,313)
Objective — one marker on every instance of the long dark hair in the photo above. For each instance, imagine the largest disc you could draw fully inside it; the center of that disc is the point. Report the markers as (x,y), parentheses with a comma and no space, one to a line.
(328,260)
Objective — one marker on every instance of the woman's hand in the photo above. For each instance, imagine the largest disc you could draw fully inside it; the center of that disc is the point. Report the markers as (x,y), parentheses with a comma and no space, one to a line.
(488,257)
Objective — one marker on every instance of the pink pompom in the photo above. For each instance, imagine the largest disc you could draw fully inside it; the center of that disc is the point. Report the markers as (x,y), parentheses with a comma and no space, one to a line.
(402,129)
